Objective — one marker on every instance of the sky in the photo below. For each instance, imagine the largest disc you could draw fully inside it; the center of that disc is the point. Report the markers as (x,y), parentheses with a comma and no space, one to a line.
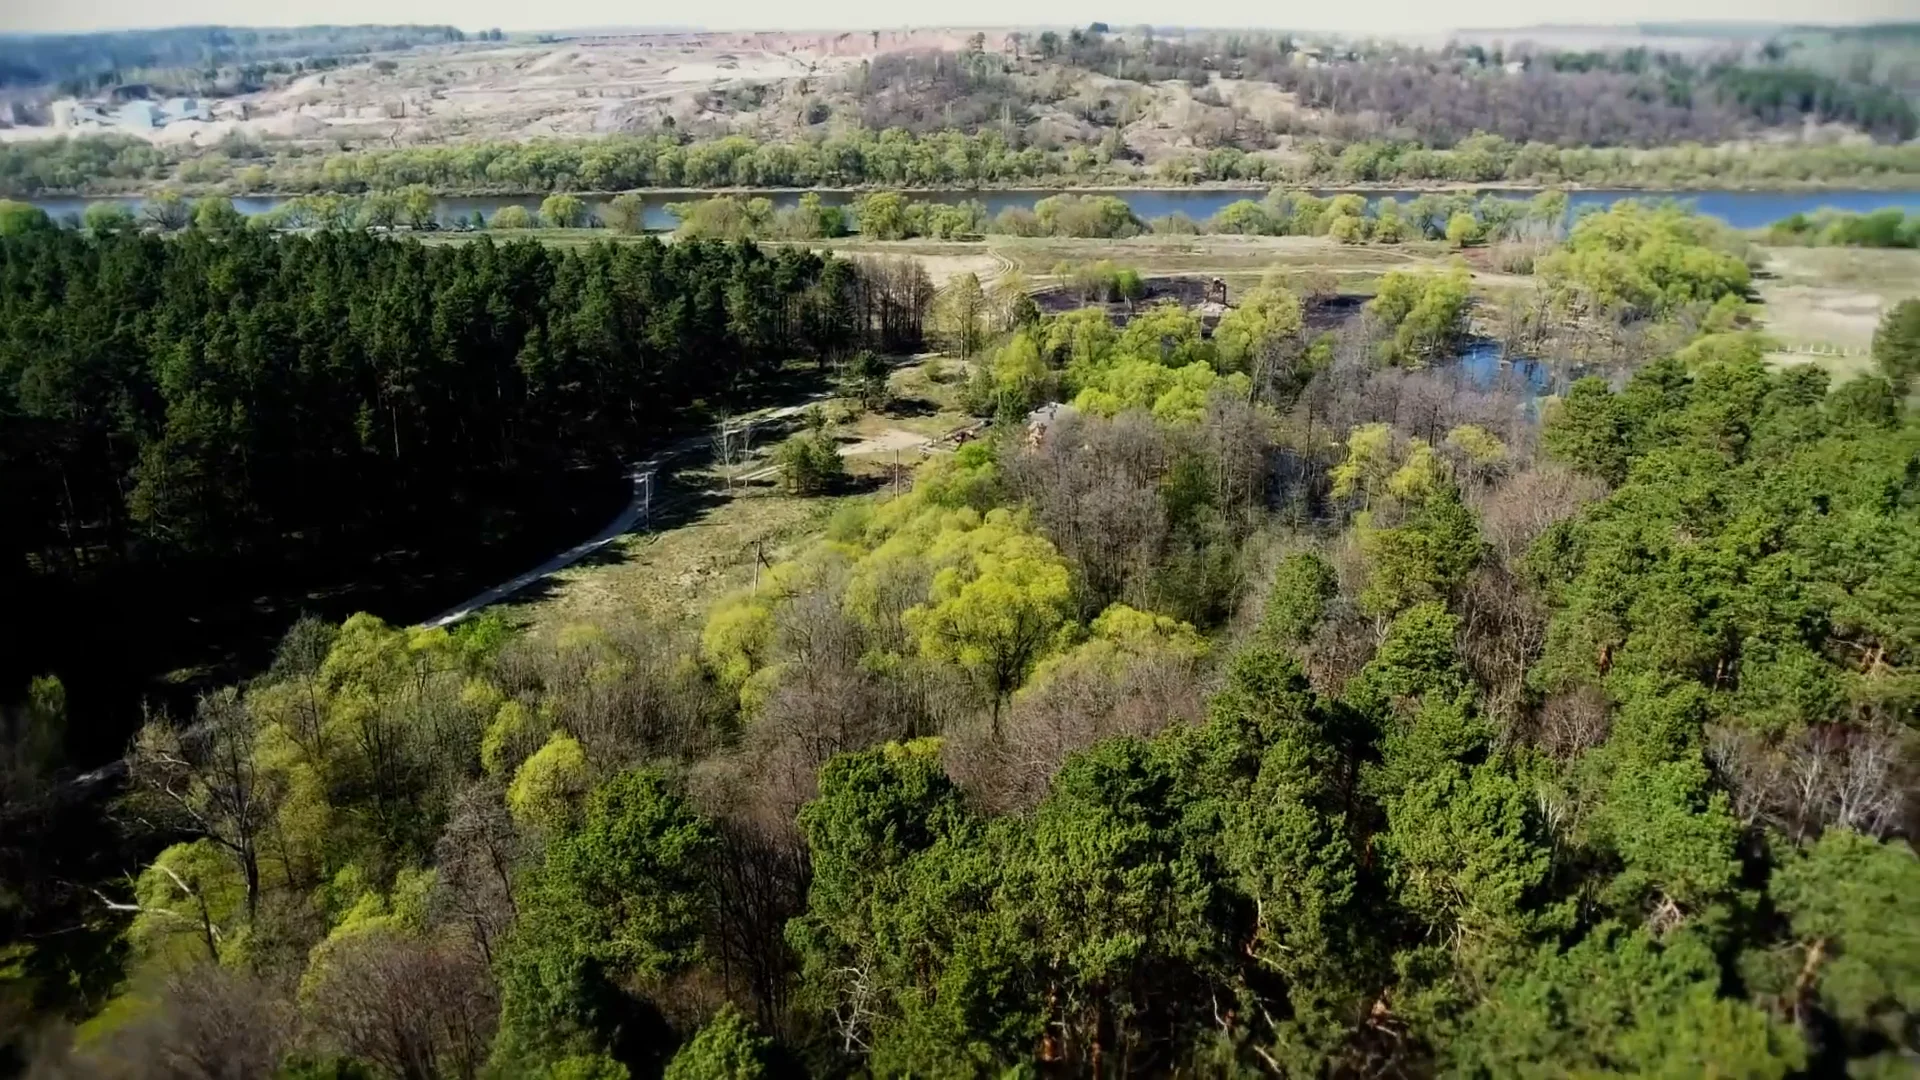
(1385,18)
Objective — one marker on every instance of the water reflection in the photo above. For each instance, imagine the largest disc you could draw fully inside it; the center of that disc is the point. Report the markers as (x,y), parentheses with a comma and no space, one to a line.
(1488,366)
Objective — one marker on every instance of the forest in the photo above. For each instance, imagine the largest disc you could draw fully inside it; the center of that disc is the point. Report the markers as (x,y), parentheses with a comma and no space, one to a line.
(1285,707)
(896,158)
(224,413)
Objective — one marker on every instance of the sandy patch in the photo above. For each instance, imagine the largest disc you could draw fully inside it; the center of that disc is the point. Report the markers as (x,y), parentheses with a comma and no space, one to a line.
(885,442)
(944,268)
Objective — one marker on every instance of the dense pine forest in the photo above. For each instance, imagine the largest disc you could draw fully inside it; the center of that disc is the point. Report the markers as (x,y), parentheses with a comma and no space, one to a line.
(1285,707)
(234,413)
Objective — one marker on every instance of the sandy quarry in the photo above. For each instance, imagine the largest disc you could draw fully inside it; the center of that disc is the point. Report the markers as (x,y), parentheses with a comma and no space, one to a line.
(581,86)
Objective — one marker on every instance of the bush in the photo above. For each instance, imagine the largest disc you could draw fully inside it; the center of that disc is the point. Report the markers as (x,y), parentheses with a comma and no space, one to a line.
(810,464)
(563,212)
(512,217)
(626,214)
(1462,229)
(865,379)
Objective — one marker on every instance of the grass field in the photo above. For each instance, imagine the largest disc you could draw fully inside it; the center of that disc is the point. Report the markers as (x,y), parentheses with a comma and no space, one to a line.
(1241,260)
(708,538)
(1823,304)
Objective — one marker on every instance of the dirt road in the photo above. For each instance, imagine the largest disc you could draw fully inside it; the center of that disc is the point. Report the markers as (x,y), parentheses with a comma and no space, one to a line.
(642,476)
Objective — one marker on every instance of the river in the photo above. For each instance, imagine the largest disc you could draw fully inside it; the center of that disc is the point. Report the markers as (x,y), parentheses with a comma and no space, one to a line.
(1741,209)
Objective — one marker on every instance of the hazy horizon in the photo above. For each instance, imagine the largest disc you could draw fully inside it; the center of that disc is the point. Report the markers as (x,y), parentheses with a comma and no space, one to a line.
(1394,18)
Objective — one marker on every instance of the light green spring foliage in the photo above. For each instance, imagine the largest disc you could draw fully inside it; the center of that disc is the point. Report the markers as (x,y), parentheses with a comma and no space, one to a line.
(997,603)
(1173,395)
(1167,334)
(583,1067)
(1644,259)
(548,788)
(736,638)
(1102,216)
(217,215)
(1481,447)
(106,217)
(1425,312)
(563,211)
(18,218)
(364,915)
(1267,316)
(338,741)
(1160,363)
(510,738)
(1021,379)
(723,217)
(192,903)
(1370,460)
(725,1048)
(1348,229)
(928,573)
(890,215)
(1462,229)
(511,217)
(1118,638)
(1420,475)
(1079,340)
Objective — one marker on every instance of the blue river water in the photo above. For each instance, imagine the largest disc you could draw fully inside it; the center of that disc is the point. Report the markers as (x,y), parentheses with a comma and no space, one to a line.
(1741,209)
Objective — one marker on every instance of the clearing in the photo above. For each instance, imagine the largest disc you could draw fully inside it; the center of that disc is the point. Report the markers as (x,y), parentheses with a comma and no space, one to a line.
(1823,304)
(710,535)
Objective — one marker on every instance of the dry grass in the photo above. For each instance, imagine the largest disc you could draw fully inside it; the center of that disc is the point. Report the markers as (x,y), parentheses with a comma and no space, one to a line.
(1833,296)
(1823,304)
(678,572)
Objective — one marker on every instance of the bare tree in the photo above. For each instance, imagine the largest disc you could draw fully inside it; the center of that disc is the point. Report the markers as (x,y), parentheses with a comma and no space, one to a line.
(1573,722)
(759,882)
(297,662)
(1076,707)
(210,1023)
(203,779)
(732,443)
(1829,775)
(416,1009)
(1094,487)
(477,856)
(628,694)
